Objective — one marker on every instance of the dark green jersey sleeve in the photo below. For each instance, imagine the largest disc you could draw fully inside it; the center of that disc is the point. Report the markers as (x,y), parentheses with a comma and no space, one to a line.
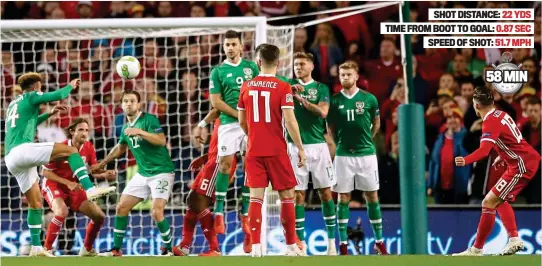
(42,118)
(375,110)
(215,85)
(323,92)
(60,94)
(153,125)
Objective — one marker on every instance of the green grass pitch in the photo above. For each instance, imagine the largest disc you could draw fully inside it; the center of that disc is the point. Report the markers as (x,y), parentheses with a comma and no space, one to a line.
(417,260)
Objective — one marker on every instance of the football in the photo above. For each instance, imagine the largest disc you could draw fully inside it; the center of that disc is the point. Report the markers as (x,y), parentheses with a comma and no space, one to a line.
(128,67)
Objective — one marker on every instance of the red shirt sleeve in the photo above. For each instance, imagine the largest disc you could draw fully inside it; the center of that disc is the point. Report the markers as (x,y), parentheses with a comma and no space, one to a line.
(241,103)
(480,153)
(491,129)
(287,99)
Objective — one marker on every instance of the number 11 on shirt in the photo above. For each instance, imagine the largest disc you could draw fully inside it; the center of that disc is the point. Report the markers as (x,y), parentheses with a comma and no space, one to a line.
(256,110)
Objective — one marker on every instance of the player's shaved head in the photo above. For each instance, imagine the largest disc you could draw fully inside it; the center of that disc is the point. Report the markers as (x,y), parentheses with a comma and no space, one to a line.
(28,81)
(268,54)
(483,96)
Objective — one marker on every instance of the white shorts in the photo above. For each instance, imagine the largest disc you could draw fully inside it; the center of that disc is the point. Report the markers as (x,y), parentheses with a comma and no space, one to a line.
(23,161)
(158,186)
(360,173)
(318,163)
(230,137)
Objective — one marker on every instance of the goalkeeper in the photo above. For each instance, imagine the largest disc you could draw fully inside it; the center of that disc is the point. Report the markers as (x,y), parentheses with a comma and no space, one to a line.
(147,142)
(225,83)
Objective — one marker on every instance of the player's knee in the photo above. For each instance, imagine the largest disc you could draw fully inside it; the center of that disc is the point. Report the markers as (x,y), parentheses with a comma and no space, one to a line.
(371,196)
(325,194)
(99,217)
(122,210)
(225,164)
(35,204)
(344,197)
(489,202)
(299,197)
(61,211)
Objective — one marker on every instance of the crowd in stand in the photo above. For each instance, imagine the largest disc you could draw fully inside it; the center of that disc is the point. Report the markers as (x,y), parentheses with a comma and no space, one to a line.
(174,83)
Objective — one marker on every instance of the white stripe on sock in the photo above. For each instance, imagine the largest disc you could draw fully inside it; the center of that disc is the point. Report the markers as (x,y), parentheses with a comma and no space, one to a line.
(83,177)
(376,221)
(166,233)
(79,170)
(343,221)
(119,231)
(220,193)
(300,220)
(300,228)
(34,226)
(329,217)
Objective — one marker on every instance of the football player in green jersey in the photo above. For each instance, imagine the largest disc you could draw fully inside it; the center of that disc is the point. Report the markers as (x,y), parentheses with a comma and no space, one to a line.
(354,120)
(23,156)
(311,108)
(145,138)
(226,80)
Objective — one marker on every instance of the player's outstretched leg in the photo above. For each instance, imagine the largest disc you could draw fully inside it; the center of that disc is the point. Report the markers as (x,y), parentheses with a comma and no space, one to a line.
(97,218)
(125,205)
(287,218)
(157,213)
(328,212)
(487,221)
(375,217)
(343,214)
(222,183)
(508,218)
(64,152)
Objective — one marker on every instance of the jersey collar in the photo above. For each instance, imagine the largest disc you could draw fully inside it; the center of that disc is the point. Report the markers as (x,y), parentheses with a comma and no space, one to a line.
(350,96)
(135,120)
(266,75)
(488,113)
(303,83)
(70,144)
(232,64)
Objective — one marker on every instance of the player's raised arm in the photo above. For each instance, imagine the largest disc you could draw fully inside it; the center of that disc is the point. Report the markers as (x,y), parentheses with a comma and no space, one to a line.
(115,153)
(154,133)
(32,82)
(322,108)
(216,89)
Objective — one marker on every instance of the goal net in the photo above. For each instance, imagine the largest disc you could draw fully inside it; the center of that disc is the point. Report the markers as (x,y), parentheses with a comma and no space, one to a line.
(176,56)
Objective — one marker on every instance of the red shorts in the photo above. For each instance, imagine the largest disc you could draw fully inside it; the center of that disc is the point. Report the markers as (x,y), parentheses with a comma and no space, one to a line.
(205,182)
(275,169)
(512,182)
(73,199)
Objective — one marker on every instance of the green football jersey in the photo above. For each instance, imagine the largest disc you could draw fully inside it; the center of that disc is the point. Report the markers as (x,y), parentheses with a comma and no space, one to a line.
(151,159)
(23,116)
(352,118)
(311,126)
(226,80)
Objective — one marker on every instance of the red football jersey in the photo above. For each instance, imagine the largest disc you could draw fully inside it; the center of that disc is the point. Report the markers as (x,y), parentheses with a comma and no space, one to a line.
(263,99)
(62,169)
(498,127)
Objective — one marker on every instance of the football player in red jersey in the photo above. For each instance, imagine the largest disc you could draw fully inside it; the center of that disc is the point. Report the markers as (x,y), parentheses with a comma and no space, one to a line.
(263,104)
(61,189)
(499,131)
(202,193)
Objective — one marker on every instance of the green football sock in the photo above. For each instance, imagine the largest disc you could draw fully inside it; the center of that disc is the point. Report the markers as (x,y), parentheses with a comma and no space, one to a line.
(80,170)
(328,212)
(245,191)
(375,217)
(121,222)
(300,222)
(343,213)
(165,231)
(222,183)
(34,224)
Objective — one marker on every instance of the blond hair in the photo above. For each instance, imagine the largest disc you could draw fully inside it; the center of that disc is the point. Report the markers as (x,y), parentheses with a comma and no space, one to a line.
(349,65)
(27,81)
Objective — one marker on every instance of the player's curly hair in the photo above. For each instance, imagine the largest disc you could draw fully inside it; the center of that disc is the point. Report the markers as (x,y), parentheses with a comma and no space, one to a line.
(27,81)
(73,125)
(483,95)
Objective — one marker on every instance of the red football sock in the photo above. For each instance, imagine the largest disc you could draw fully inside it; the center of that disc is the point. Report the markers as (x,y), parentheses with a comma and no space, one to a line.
(53,230)
(508,218)
(287,218)
(255,219)
(189,224)
(487,220)
(92,232)
(207,225)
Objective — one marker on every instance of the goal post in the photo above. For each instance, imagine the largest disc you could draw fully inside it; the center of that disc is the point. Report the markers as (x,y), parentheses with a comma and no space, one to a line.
(176,55)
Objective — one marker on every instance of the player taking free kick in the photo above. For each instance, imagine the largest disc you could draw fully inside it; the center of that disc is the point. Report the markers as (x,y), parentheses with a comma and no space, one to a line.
(224,86)
(499,131)
(263,104)
(145,137)
(23,156)
(354,120)
(311,108)
(60,187)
